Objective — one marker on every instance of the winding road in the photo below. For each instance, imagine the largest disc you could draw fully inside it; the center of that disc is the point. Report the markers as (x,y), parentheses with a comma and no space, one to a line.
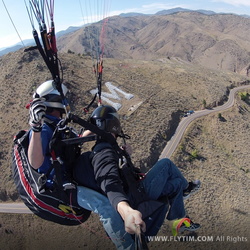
(174,141)
(167,151)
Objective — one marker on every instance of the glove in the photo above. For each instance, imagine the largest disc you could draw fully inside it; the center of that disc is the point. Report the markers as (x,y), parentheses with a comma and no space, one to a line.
(37,112)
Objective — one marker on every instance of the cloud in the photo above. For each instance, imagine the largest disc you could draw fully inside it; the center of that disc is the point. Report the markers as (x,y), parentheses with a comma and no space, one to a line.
(234,2)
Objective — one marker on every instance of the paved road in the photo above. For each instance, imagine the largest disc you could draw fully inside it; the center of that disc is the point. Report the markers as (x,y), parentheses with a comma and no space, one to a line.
(174,141)
(14,208)
(167,152)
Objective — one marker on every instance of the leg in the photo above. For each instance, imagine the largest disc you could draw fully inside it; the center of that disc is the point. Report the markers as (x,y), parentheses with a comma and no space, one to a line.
(111,220)
(165,179)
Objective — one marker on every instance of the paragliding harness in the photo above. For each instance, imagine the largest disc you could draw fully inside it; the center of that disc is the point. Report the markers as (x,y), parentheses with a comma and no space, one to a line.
(57,204)
(60,204)
(153,211)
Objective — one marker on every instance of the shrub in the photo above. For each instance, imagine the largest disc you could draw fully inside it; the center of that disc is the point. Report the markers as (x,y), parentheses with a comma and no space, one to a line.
(243,96)
(204,103)
(193,155)
(70,52)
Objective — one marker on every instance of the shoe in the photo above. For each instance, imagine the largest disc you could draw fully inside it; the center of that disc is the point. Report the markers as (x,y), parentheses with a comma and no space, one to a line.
(192,188)
(193,227)
(184,224)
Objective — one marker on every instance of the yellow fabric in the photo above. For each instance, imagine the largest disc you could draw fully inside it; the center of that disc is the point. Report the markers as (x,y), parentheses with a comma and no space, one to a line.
(177,224)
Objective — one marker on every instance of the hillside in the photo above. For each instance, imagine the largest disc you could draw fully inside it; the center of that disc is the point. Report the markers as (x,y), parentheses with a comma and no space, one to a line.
(167,88)
(218,41)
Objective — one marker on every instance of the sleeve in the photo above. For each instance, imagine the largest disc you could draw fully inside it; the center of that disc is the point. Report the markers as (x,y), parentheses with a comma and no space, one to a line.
(106,170)
(46,135)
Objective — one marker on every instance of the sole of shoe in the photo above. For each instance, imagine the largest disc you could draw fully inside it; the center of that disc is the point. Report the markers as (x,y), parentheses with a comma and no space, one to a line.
(190,229)
(192,192)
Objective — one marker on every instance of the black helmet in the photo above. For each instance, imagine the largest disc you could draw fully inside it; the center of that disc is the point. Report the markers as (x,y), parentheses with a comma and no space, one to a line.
(52,96)
(106,118)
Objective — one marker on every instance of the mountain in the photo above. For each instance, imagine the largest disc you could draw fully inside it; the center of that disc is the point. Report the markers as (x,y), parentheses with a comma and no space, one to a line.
(177,10)
(67,31)
(218,41)
(28,42)
(31,42)
(131,14)
(123,15)
(10,49)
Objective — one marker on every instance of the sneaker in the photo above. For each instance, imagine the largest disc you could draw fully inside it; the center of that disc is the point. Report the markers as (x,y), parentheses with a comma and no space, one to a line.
(193,227)
(192,188)
(184,224)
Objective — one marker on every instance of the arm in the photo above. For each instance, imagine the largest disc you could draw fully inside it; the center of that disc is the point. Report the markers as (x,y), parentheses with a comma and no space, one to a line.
(86,133)
(106,172)
(35,150)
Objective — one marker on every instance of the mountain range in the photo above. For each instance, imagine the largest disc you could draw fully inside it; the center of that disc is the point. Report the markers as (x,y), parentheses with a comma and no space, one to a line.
(218,41)
(189,33)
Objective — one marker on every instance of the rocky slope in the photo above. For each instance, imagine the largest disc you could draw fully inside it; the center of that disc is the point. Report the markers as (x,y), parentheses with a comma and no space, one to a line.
(165,88)
(221,143)
(218,41)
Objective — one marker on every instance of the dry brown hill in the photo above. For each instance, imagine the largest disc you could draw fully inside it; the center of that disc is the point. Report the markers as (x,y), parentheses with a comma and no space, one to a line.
(218,41)
(167,88)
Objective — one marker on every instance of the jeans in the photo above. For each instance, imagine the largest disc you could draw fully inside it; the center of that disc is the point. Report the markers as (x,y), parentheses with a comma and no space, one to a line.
(163,179)
(110,218)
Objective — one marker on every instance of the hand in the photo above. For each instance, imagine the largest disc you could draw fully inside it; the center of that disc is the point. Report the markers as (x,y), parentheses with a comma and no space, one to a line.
(37,112)
(132,218)
(132,221)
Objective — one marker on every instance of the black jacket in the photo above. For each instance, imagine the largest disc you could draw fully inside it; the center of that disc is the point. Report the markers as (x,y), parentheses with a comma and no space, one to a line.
(105,162)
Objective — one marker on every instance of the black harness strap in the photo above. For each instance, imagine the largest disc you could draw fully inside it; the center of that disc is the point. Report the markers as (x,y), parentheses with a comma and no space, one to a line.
(40,48)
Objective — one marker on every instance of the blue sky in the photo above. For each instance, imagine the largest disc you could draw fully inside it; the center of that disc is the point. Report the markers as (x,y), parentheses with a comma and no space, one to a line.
(68,12)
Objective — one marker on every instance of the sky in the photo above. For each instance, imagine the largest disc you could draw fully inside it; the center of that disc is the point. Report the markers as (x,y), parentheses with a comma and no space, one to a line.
(78,12)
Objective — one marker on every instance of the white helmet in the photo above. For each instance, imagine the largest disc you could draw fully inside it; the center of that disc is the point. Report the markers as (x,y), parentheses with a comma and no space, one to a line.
(52,96)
